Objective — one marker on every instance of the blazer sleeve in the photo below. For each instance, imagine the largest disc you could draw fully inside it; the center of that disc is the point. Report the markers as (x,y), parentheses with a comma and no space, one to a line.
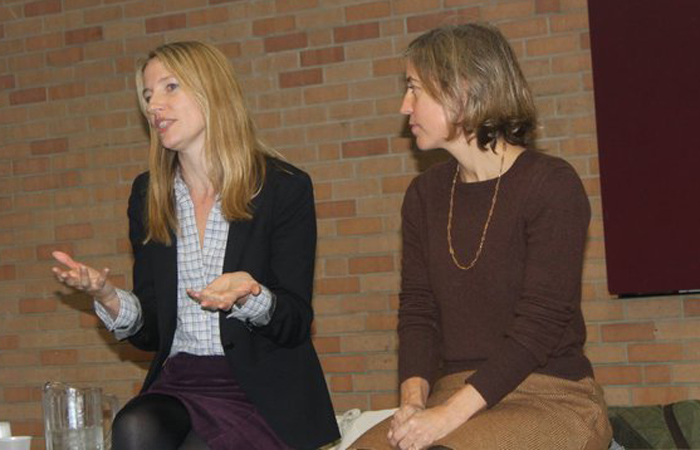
(292,252)
(147,336)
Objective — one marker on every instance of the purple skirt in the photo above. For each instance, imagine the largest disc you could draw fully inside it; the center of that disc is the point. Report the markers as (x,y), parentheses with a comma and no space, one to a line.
(219,409)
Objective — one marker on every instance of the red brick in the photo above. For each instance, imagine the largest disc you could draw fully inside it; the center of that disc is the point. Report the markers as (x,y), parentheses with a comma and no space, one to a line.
(9,342)
(166,23)
(335,364)
(371,264)
(72,5)
(367,147)
(89,321)
(401,7)
(7,82)
(273,25)
(654,352)
(359,225)
(321,56)
(64,57)
(74,231)
(326,344)
(366,11)
(388,66)
(8,272)
(43,252)
(618,374)
(552,45)
(40,183)
(659,395)
(333,286)
(384,401)
(42,7)
(657,374)
(335,209)
(691,307)
(356,32)
(231,49)
(298,78)
(32,95)
(341,383)
(365,303)
(71,90)
(628,332)
(382,322)
(285,42)
(21,394)
(547,6)
(102,15)
(59,357)
(128,352)
(424,22)
(326,94)
(37,305)
(294,5)
(83,35)
(44,41)
(49,146)
(396,184)
(30,166)
(207,17)
(15,254)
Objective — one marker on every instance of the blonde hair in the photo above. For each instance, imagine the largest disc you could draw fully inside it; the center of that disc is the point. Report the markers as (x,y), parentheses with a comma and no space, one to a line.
(472,71)
(234,155)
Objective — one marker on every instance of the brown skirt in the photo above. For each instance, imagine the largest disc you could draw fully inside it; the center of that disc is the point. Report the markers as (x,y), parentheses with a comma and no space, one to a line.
(543,412)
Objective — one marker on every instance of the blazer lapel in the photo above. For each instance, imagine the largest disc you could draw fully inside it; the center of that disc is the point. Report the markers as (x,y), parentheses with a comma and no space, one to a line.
(165,259)
(238,236)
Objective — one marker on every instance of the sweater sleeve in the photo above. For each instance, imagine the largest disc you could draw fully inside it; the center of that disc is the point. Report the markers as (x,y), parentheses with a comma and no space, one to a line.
(418,326)
(557,214)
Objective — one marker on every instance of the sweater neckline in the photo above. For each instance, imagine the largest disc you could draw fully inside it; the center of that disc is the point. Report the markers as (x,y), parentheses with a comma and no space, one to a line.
(515,167)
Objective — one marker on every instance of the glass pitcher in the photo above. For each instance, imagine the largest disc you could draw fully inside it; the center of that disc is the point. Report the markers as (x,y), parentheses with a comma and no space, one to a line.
(74,418)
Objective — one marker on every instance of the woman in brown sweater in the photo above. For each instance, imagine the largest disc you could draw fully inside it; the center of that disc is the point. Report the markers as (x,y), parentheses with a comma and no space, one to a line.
(490,324)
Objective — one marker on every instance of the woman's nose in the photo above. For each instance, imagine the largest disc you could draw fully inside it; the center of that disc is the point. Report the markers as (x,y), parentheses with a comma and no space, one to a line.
(154,104)
(406,104)
(153,107)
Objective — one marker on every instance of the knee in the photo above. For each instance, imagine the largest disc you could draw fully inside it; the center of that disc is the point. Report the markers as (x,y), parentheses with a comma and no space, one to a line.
(126,422)
(150,422)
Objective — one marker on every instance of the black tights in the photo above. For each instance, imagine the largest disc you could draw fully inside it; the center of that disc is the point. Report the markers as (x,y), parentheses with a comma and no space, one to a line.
(155,421)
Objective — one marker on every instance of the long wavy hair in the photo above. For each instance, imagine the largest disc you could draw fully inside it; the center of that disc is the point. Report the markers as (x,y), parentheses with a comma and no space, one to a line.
(234,155)
(473,72)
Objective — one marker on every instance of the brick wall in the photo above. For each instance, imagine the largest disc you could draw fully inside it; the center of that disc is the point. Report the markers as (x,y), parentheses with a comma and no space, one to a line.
(324,78)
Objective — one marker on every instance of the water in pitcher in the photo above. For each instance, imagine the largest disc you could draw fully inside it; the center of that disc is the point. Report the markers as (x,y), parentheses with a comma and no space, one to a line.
(88,438)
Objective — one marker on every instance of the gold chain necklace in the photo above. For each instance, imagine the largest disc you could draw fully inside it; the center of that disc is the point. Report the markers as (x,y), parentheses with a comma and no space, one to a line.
(486,225)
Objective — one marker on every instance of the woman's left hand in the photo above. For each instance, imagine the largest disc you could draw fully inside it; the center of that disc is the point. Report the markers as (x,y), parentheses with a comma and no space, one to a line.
(226,290)
(423,428)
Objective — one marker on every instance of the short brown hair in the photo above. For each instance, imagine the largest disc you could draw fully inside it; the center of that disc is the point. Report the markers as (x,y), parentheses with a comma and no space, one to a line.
(473,72)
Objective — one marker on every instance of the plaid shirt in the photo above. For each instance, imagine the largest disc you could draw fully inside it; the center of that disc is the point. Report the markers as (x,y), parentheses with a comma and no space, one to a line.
(197,330)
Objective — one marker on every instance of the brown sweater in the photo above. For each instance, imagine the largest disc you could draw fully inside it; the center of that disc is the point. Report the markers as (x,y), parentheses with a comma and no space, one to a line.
(518,310)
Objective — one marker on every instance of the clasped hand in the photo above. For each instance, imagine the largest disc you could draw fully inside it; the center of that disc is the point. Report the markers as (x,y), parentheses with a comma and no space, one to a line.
(414,428)
(227,290)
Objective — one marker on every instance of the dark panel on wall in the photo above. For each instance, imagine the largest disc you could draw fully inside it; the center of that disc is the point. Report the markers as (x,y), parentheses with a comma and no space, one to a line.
(646,75)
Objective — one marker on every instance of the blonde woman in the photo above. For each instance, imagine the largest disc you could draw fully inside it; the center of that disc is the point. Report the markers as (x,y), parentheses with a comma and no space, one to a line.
(223,236)
(490,326)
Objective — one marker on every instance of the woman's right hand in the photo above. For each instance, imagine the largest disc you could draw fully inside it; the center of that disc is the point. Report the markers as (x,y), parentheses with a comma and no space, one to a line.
(85,279)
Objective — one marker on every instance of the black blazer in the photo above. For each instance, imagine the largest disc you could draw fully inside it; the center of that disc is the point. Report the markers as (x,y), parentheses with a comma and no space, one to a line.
(275,364)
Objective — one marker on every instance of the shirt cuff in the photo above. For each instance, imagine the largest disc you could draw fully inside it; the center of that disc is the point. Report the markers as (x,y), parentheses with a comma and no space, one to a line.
(128,321)
(258,309)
